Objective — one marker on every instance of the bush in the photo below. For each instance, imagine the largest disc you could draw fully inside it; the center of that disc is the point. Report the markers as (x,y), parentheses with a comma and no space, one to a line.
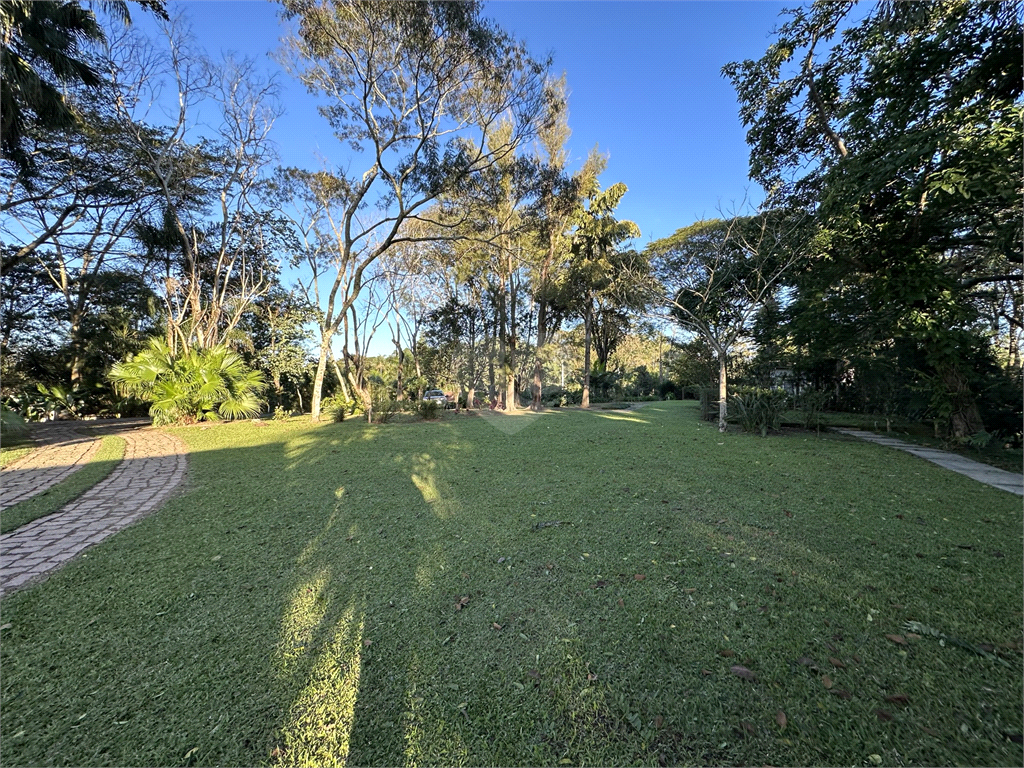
(190,386)
(810,406)
(429,409)
(280,413)
(758,409)
(384,408)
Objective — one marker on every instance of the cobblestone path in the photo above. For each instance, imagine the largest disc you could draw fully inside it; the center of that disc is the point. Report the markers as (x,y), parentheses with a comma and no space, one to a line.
(62,450)
(154,464)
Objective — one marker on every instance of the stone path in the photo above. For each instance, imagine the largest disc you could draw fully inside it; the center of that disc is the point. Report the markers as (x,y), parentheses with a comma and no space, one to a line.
(983,473)
(154,464)
(63,450)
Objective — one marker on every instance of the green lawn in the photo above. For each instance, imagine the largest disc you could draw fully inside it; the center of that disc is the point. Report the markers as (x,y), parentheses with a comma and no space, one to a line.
(298,604)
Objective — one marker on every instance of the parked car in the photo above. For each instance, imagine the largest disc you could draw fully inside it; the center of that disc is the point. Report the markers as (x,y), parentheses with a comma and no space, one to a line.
(437,396)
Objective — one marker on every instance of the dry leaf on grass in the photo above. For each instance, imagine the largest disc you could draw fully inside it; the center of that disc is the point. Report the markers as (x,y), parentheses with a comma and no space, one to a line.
(743,672)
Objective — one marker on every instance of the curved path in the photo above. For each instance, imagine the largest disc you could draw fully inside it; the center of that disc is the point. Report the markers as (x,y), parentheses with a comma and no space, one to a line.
(154,464)
(62,451)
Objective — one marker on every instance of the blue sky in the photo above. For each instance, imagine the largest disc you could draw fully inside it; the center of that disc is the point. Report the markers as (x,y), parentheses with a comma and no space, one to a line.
(645,86)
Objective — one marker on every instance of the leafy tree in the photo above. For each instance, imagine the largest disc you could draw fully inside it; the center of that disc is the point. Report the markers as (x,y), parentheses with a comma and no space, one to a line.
(417,88)
(599,269)
(715,276)
(43,49)
(902,133)
(192,385)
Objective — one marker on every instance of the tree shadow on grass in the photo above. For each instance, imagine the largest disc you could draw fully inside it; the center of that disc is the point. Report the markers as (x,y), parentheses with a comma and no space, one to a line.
(298,606)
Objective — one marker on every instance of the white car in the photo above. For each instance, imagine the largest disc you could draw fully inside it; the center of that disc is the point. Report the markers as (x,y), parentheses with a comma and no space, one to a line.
(437,396)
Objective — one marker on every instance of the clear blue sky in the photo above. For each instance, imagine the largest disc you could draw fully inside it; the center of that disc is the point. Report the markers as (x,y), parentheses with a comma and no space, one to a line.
(645,86)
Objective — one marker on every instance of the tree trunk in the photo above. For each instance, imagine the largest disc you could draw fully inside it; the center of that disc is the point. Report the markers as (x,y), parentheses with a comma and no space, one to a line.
(538,363)
(964,419)
(587,320)
(318,380)
(723,391)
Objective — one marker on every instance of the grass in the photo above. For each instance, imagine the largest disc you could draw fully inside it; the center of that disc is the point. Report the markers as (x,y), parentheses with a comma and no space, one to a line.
(102,463)
(297,605)
(995,453)
(10,454)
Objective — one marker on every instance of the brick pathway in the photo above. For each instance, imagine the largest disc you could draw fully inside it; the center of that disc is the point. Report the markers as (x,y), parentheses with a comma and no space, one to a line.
(63,450)
(154,463)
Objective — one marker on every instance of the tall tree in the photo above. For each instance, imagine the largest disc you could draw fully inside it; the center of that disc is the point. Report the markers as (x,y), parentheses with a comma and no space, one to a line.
(597,267)
(714,277)
(418,89)
(902,133)
(43,46)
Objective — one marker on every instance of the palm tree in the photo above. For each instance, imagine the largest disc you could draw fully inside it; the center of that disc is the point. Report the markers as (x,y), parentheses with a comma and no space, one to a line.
(41,48)
(597,234)
(195,385)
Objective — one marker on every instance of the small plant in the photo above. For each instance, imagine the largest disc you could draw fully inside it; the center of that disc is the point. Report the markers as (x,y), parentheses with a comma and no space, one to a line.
(810,406)
(758,409)
(281,413)
(429,409)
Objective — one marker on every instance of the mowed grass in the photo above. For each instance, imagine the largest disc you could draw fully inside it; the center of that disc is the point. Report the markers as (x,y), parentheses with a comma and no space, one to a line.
(102,463)
(298,604)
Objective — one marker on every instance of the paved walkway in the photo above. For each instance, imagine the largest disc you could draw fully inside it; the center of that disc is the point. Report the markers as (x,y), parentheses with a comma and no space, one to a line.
(983,473)
(63,450)
(154,464)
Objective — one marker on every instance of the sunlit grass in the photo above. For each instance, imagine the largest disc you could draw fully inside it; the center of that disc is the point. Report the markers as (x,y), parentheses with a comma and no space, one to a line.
(298,604)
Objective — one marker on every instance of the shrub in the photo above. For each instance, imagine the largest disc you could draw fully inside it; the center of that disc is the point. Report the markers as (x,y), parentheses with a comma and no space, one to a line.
(280,413)
(810,406)
(758,409)
(429,409)
(194,385)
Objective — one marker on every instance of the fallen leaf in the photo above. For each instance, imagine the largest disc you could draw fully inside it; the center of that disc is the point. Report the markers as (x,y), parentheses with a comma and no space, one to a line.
(275,753)
(842,694)
(788,513)
(898,639)
(591,676)
(533,673)
(501,559)
(836,662)
(826,681)
(804,661)
(743,672)
(621,604)
(690,590)
(639,577)
(883,716)
(856,658)
(658,721)
(726,653)
(747,727)
(706,672)
(912,636)
(780,718)
(495,625)
(599,585)
(898,698)
(8,625)
(367,643)
(465,575)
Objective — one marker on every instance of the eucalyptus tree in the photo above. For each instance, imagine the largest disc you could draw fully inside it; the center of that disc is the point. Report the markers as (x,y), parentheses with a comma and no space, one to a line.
(901,131)
(417,90)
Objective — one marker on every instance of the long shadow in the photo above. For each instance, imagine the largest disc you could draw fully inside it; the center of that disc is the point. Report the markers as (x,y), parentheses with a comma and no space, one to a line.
(304,604)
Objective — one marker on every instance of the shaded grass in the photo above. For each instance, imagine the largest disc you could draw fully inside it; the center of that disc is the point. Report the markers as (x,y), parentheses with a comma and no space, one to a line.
(297,605)
(102,463)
